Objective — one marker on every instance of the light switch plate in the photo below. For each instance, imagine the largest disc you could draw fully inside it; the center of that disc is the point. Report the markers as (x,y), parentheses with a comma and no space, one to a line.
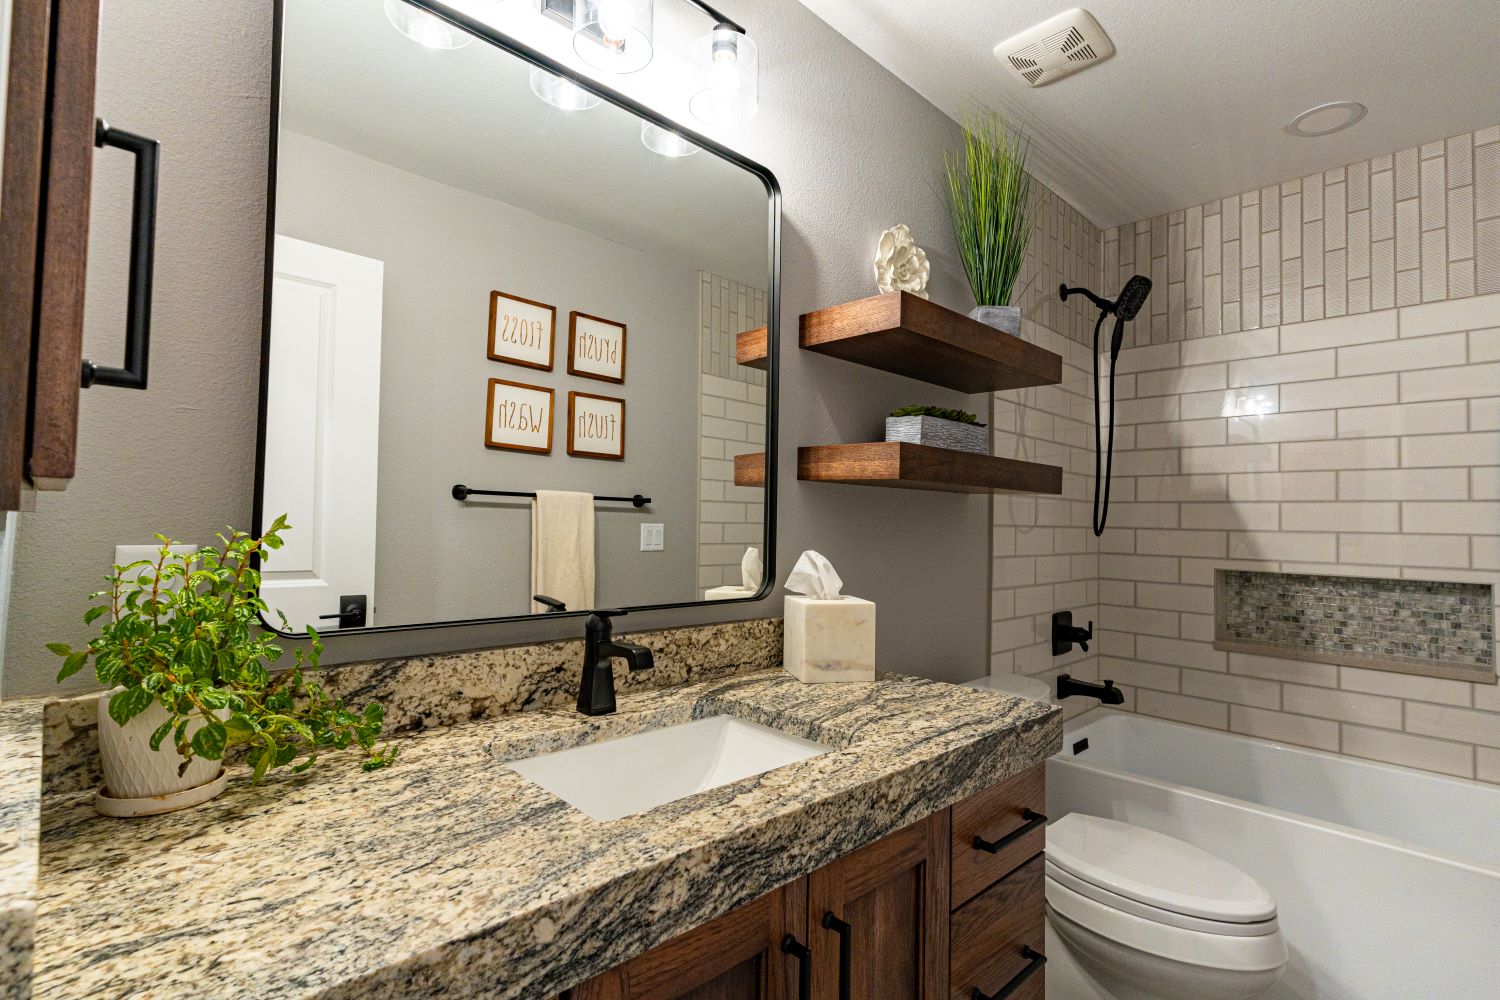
(653,537)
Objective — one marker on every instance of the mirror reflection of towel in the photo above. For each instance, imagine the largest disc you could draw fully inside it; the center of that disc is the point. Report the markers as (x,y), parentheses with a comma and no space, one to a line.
(562,548)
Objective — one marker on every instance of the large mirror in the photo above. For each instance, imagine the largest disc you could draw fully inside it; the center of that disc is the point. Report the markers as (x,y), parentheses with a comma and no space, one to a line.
(486,281)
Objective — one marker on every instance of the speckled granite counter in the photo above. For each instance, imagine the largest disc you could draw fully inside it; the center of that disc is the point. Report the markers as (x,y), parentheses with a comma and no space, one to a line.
(20,820)
(449,875)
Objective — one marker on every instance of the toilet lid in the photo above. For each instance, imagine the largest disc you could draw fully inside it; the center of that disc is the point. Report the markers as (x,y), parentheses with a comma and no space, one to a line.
(1155,869)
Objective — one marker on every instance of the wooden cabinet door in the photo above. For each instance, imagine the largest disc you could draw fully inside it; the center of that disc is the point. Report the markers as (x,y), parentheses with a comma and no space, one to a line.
(739,956)
(886,905)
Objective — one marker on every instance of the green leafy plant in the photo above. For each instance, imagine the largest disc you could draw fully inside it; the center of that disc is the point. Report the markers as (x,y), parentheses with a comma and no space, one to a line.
(184,630)
(989,197)
(942,413)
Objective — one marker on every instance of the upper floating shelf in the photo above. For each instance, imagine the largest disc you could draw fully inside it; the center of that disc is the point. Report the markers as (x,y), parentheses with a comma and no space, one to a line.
(899,332)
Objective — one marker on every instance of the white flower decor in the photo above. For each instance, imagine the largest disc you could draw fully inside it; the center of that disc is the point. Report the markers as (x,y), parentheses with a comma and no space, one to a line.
(901,265)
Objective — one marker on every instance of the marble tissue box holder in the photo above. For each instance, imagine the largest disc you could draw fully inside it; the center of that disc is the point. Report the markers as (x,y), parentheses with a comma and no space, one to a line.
(829,640)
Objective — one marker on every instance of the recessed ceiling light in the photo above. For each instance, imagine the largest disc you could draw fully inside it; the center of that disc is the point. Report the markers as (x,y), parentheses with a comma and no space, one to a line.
(1325,119)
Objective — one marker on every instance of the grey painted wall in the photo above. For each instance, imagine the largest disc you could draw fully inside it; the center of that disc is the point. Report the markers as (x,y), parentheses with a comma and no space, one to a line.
(437,559)
(855,151)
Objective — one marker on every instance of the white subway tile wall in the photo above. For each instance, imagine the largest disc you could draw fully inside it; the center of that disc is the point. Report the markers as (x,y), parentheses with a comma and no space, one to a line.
(1358,478)
(1314,387)
(732,421)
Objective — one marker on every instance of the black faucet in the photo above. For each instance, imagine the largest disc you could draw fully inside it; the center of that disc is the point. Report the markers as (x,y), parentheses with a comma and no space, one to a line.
(1107,693)
(1065,633)
(596,691)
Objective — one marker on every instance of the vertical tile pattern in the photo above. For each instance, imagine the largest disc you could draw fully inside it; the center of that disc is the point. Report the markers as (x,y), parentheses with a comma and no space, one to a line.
(1419,225)
(732,421)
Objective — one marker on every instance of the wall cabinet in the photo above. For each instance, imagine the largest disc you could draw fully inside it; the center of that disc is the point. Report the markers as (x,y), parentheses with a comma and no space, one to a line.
(50,136)
(949,907)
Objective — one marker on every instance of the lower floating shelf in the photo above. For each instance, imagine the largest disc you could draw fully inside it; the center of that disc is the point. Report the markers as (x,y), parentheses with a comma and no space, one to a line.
(750,469)
(923,467)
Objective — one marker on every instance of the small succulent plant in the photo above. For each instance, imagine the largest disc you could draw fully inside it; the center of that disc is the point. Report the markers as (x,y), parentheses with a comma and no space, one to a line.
(942,413)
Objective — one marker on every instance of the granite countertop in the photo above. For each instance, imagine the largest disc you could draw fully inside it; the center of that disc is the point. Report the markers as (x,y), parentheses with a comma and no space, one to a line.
(450,875)
(20,810)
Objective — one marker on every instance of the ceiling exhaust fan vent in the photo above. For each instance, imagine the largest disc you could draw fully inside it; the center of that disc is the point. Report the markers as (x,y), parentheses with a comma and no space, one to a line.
(1058,47)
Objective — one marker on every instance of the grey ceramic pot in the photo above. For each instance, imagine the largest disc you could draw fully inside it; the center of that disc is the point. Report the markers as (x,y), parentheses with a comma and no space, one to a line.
(1004,318)
(939,433)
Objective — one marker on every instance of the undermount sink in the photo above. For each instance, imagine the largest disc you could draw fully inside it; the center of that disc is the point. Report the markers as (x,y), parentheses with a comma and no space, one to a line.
(634,773)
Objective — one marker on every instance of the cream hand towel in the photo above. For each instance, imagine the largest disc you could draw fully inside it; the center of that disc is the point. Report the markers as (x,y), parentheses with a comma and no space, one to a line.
(562,548)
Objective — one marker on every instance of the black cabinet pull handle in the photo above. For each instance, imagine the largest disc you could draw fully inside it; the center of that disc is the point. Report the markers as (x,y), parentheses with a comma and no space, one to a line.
(846,948)
(803,954)
(1035,960)
(142,261)
(1033,820)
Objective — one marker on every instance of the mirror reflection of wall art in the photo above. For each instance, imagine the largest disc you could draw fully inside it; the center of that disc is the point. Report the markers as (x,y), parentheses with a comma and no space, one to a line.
(518,417)
(521,331)
(596,347)
(596,426)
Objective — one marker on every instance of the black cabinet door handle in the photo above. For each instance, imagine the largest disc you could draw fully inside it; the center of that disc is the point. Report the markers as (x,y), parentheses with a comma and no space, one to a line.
(1035,960)
(803,954)
(846,947)
(1033,820)
(142,261)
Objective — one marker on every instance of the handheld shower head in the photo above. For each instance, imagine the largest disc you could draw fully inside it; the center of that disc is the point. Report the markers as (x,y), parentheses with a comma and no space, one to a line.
(1132,297)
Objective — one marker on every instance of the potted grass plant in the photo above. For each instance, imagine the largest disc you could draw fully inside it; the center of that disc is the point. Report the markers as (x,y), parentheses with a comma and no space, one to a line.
(190,677)
(989,199)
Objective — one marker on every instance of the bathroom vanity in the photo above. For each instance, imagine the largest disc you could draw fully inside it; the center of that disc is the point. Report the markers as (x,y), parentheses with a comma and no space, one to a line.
(947,906)
(449,874)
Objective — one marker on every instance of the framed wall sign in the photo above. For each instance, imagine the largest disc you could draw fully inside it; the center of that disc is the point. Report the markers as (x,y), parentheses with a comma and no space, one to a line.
(596,347)
(596,426)
(518,417)
(521,331)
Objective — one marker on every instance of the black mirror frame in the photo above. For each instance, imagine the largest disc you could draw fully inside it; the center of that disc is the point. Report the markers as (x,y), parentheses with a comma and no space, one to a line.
(487,34)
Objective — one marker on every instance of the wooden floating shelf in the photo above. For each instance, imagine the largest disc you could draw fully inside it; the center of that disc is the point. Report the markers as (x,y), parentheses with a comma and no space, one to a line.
(750,469)
(922,467)
(899,332)
(750,348)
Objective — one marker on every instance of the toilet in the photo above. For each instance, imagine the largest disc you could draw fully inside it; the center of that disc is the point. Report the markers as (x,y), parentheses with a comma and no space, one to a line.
(1133,914)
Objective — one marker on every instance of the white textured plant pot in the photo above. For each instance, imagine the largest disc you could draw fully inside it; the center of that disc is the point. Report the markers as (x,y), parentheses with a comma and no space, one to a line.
(829,640)
(1004,318)
(132,770)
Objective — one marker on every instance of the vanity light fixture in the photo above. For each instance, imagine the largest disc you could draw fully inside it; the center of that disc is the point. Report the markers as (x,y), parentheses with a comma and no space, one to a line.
(665,142)
(613,35)
(561,93)
(726,76)
(425,29)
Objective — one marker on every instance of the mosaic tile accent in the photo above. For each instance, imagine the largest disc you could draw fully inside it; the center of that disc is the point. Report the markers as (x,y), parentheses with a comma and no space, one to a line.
(1416,622)
(1418,225)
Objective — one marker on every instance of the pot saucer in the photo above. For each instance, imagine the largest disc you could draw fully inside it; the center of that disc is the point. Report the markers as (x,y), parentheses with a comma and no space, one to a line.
(107,805)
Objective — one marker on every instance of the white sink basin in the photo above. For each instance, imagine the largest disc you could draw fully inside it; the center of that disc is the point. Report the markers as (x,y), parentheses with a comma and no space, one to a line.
(639,772)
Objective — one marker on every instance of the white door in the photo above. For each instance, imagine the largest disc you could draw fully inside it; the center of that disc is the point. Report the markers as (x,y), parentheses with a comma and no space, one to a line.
(322,431)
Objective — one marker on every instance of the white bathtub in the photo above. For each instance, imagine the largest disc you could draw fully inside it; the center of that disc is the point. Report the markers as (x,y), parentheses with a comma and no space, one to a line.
(1387,879)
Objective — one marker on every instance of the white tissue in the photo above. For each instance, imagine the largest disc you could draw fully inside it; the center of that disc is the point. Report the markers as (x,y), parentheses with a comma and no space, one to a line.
(752,570)
(815,577)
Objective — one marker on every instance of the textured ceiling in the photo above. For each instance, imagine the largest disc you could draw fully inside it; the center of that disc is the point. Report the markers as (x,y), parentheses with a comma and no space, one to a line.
(1191,106)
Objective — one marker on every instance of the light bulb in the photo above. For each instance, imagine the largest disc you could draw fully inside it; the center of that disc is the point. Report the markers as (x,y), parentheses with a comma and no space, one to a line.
(726,48)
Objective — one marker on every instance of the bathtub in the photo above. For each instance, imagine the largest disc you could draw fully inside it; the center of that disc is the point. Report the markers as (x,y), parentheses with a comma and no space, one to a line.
(1387,879)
